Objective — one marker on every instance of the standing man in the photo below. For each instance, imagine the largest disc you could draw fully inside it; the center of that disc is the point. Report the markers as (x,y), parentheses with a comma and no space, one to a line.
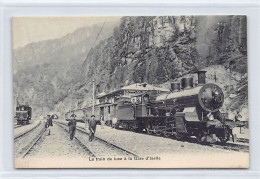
(238,121)
(102,121)
(50,120)
(92,127)
(47,124)
(238,117)
(114,122)
(86,120)
(72,126)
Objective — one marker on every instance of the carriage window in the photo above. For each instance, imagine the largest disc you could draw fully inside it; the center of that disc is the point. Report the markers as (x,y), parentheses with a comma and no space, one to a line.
(168,112)
(146,99)
(139,100)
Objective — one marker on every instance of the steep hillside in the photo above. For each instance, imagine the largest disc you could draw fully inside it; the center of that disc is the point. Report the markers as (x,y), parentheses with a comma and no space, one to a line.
(159,49)
(72,47)
(44,72)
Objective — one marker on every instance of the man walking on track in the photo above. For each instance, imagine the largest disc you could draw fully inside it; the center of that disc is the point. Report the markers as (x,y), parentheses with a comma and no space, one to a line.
(50,120)
(92,127)
(72,126)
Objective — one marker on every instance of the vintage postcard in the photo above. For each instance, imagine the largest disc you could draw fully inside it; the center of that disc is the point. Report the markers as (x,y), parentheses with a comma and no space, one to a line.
(130,92)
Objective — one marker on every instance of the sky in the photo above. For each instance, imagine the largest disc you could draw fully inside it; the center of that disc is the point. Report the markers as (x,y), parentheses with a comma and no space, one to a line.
(34,29)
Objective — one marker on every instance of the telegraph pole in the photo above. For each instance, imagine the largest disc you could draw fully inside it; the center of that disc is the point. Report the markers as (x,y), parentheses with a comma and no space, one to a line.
(17,103)
(93,100)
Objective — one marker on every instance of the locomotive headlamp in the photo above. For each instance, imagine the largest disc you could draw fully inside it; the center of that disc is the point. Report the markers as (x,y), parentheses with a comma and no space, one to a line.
(210,117)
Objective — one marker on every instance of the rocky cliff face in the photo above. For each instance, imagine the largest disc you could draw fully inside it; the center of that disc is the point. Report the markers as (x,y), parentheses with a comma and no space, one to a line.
(150,49)
(158,49)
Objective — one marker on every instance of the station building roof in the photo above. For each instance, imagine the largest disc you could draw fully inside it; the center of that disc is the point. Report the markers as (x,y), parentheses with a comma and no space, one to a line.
(135,87)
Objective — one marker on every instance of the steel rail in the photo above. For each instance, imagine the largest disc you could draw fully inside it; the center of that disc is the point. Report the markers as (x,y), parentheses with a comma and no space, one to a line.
(26,132)
(127,152)
(231,146)
(79,142)
(33,143)
(17,126)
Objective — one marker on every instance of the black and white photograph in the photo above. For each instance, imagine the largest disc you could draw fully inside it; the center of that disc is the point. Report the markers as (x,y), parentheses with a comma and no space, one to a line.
(130,91)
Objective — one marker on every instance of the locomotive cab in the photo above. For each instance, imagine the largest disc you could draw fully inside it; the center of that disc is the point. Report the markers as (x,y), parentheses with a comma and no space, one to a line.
(140,103)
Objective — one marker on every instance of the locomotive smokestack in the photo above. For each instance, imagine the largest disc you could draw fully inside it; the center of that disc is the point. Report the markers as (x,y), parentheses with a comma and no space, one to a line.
(175,86)
(201,77)
(186,83)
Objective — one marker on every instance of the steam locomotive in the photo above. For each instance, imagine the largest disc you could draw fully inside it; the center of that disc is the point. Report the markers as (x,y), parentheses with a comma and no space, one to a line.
(187,111)
(23,114)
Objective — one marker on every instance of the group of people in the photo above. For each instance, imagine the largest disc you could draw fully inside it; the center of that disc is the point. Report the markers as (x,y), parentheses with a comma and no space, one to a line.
(92,123)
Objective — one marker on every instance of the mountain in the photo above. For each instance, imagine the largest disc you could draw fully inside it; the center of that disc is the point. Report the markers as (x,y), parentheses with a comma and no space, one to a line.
(156,50)
(72,47)
(43,72)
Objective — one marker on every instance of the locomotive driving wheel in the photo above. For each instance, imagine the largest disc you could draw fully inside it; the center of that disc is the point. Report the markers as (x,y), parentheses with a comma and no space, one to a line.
(149,129)
(166,134)
(200,137)
(158,132)
(180,136)
(226,136)
(223,140)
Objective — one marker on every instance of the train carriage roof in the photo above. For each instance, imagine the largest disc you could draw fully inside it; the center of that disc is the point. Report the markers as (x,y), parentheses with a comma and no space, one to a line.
(144,87)
(135,87)
(22,111)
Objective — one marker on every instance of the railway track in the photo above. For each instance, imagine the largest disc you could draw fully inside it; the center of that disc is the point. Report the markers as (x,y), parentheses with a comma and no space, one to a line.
(17,126)
(26,132)
(232,146)
(95,146)
(239,146)
(91,153)
(242,140)
(33,143)
(242,144)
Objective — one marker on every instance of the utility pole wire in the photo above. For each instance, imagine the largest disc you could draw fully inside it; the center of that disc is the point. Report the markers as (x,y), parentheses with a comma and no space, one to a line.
(94,43)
